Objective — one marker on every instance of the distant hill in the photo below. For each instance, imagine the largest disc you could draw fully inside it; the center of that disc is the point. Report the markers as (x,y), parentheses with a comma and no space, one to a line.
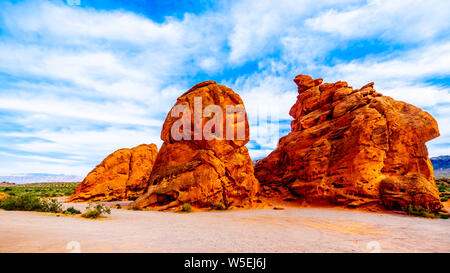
(40,177)
(441,162)
(441,165)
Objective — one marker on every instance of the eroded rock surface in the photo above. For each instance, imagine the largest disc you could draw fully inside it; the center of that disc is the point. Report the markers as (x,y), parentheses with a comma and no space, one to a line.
(353,148)
(203,173)
(122,175)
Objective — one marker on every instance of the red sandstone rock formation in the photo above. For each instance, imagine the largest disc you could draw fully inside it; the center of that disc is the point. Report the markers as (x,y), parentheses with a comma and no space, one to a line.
(353,148)
(203,173)
(122,175)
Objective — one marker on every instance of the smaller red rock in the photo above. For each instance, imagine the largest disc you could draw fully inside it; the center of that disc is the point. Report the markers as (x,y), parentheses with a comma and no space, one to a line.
(122,175)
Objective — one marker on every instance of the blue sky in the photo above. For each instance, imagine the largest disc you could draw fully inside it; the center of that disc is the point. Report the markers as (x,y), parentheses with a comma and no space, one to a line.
(78,82)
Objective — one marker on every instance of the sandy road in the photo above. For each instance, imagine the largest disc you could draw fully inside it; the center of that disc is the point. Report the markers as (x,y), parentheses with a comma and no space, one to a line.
(264,230)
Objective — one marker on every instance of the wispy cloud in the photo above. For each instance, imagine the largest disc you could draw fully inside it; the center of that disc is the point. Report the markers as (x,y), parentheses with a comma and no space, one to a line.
(403,21)
(77,83)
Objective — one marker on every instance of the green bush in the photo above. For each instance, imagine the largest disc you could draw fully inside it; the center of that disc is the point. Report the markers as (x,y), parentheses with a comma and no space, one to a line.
(91,213)
(418,211)
(30,202)
(186,208)
(423,212)
(51,205)
(442,187)
(71,211)
(25,202)
(95,210)
(135,207)
(444,216)
(55,189)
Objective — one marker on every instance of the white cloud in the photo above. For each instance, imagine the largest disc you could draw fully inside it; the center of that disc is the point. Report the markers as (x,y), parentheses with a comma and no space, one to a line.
(81,69)
(75,23)
(74,142)
(414,94)
(259,154)
(413,65)
(260,27)
(209,64)
(403,76)
(406,20)
(116,112)
(82,148)
(96,81)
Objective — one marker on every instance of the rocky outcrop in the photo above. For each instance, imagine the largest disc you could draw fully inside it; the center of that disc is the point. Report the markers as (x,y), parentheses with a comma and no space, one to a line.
(203,172)
(123,175)
(352,148)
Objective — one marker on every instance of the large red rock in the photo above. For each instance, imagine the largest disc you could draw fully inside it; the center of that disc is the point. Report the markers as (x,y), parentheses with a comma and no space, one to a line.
(201,172)
(352,148)
(123,175)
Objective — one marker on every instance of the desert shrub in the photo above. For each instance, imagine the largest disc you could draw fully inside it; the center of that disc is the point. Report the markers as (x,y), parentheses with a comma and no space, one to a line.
(67,191)
(25,202)
(444,216)
(71,211)
(118,206)
(30,202)
(51,205)
(418,211)
(91,213)
(423,212)
(186,207)
(55,189)
(135,207)
(95,210)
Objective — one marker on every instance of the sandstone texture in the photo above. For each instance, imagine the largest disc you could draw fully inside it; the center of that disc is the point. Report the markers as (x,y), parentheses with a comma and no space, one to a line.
(353,148)
(204,173)
(123,175)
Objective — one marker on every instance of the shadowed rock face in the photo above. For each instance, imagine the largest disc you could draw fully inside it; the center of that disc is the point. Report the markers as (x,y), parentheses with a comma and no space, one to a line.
(346,146)
(122,175)
(203,172)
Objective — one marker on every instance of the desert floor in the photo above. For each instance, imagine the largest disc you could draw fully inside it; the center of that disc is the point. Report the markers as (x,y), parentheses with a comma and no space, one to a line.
(261,230)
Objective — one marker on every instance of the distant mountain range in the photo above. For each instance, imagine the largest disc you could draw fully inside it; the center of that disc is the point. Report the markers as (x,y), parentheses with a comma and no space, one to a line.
(441,165)
(40,177)
(441,162)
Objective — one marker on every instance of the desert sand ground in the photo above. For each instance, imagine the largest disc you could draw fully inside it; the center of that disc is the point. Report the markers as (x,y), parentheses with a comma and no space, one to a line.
(261,230)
